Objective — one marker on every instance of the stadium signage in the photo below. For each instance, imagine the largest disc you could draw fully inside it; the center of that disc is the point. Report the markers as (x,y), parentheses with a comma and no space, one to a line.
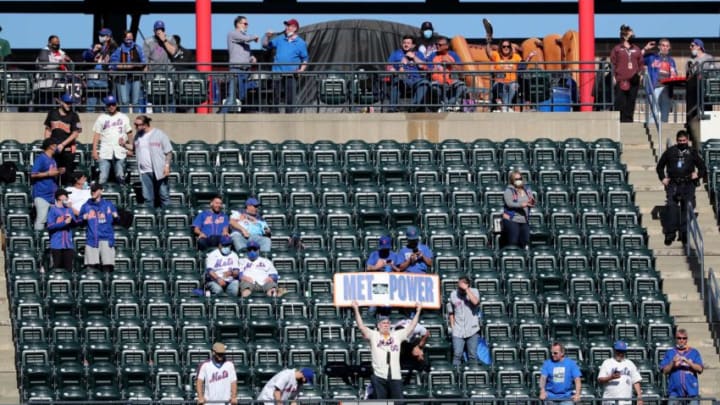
(391,289)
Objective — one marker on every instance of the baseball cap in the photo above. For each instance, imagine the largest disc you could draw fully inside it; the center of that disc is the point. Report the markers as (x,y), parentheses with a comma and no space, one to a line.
(106,31)
(292,21)
(699,43)
(426,25)
(385,242)
(412,233)
(61,191)
(381,318)
(226,241)
(67,98)
(309,374)
(46,143)
(109,100)
(95,187)
(252,244)
(159,25)
(252,201)
(219,348)
(620,346)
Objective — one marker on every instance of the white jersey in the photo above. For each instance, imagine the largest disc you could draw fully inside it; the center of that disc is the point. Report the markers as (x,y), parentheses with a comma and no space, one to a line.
(258,270)
(416,334)
(113,130)
(285,382)
(222,265)
(78,197)
(217,380)
(623,386)
(380,346)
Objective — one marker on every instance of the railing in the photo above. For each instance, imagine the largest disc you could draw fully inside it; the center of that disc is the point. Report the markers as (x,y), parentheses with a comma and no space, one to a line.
(652,104)
(713,297)
(706,88)
(695,240)
(322,87)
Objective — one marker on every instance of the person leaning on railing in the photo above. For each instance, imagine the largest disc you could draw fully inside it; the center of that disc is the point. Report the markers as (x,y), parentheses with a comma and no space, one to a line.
(128,58)
(100,54)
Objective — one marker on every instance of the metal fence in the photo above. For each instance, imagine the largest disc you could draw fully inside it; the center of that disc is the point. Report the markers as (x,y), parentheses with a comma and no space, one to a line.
(704,88)
(320,88)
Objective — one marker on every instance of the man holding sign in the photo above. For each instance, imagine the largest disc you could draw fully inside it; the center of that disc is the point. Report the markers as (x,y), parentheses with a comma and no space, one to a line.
(385,349)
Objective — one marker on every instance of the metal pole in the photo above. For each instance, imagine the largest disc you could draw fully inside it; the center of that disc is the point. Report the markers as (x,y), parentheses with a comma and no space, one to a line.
(586,24)
(203,35)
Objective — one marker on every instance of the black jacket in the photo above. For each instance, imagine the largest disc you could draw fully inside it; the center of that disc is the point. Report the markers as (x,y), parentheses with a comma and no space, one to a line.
(680,165)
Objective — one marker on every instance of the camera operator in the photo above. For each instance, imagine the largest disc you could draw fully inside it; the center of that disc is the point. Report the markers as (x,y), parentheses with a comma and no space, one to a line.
(680,169)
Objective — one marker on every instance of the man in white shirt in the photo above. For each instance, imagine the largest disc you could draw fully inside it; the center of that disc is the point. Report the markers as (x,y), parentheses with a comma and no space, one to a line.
(222,268)
(216,378)
(619,376)
(79,191)
(113,131)
(248,225)
(286,385)
(385,350)
(257,273)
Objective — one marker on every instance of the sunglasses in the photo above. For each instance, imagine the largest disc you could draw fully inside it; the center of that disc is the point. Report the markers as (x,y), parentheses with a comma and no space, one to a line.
(556,353)
(681,337)
(506,46)
(252,249)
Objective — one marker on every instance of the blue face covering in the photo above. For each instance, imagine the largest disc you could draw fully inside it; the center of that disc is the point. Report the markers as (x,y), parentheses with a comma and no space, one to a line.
(129,42)
(427,34)
(253,254)
(225,250)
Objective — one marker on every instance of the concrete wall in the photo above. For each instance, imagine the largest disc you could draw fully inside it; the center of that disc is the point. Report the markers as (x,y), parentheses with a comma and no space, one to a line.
(339,127)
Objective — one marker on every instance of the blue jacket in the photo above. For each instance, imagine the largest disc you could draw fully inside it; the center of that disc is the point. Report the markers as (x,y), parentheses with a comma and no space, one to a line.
(660,67)
(99,216)
(45,187)
(413,74)
(683,381)
(60,232)
(211,223)
(124,55)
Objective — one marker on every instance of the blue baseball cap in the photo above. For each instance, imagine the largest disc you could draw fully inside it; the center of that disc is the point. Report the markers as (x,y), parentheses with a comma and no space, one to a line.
(620,346)
(159,25)
(106,31)
(385,242)
(699,43)
(226,241)
(252,244)
(412,233)
(252,201)
(309,374)
(110,100)
(67,98)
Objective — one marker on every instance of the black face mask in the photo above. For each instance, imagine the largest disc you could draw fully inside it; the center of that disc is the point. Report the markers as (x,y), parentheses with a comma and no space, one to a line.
(384,253)
(412,244)
(55,47)
(220,358)
(682,146)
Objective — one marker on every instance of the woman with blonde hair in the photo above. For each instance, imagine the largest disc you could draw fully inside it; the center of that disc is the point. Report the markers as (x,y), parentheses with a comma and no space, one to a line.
(515,218)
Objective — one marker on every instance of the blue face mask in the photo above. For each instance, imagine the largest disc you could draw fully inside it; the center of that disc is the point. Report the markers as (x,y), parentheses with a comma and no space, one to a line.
(427,34)
(253,255)
(225,250)
(129,42)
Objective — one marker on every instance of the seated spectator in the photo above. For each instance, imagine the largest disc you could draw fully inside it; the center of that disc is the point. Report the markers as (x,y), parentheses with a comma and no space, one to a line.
(452,91)
(384,259)
(407,63)
(418,258)
(257,273)
(248,225)
(211,225)
(505,84)
(515,218)
(427,43)
(222,269)
(44,179)
(60,221)
(99,215)
(79,191)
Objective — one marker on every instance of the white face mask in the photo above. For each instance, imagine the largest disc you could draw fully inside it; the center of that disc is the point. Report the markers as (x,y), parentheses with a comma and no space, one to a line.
(518,183)
(225,250)
(427,34)
(693,52)
(102,39)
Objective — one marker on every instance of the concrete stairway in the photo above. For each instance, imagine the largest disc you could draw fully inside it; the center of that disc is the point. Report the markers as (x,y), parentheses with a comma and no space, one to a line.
(680,274)
(8,375)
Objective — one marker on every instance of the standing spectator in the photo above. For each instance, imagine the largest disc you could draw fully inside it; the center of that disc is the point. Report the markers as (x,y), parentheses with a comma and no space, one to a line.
(418,258)
(126,59)
(153,152)
(412,354)
(682,364)
(211,225)
(222,268)
(291,57)
(62,125)
(44,178)
(385,350)
(240,58)
(257,273)
(99,215)
(619,375)
(97,79)
(216,378)
(680,169)
(505,85)
(160,49)
(558,376)
(79,191)
(627,62)
(113,132)
(426,43)
(452,90)
(699,60)
(54,61)
(408,62)
(5,49)
(248,225)
(519,199)
(285,386)
(463,314)
(660,66)
(61,219)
